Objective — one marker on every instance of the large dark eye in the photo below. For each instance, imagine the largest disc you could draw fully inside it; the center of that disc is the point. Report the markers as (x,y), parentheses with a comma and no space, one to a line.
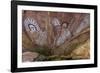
(32,27)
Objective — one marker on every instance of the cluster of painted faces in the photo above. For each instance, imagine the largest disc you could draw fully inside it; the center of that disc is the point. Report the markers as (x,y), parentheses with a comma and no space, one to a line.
(61,32)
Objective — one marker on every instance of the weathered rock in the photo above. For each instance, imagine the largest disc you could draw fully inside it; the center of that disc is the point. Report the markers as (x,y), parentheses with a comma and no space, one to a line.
(27,44)
(29,56)
(83,24)
(72,43)
(40,58)
(82,51)
(44,33)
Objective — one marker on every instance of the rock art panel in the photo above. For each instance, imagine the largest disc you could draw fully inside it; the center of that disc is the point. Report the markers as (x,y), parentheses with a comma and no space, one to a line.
(55,34)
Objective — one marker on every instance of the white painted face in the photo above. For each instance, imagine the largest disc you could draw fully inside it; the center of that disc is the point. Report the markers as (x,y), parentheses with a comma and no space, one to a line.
(55,22)
(64,25)
(31,25)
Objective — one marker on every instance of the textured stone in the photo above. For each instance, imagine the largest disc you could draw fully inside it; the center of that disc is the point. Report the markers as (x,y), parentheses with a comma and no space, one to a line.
(29,56)
(58,33)
(82,51)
